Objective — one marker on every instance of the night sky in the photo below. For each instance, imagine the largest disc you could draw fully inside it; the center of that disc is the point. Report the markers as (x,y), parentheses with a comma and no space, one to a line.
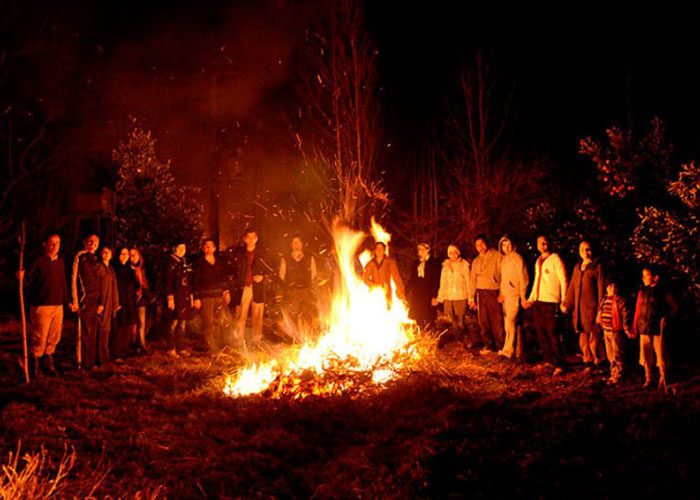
(104,66)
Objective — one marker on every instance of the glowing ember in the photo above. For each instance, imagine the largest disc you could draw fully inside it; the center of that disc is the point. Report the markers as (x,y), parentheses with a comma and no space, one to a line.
(365,343)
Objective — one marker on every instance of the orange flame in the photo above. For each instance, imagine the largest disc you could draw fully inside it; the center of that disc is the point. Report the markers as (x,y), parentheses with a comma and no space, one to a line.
(364,338)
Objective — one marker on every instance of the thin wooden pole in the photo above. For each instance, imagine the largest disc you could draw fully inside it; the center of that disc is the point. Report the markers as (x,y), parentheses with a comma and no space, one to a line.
(25,353)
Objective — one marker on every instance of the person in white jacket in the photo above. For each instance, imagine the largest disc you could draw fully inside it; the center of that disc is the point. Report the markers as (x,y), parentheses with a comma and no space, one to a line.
(454,288)
(548,290)
(513,293)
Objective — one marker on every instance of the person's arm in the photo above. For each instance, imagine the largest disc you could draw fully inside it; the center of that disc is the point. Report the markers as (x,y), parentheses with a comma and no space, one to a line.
(524,281)
(74,279)
(568,297)
(561,274)
(472,280)
(115,293)
(283,269)
(601,284)
(443,284)
(197,281)
(368,274)
(314,271)
(400,289)
(534,285)
(637,312)
(497,270)
(624,315)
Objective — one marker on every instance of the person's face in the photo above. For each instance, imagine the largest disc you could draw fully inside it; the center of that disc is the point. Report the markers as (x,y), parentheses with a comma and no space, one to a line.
(506,247)
(208,248)
(53,245)
(297,245)
(134,256)
(542,244)
(648,278)
(452,253)
(379,251)
(250,239)
(106,255)
(423,252)
(124,256)
(480,246)
(180,250)
(584,251)
(92,243)
(611,289)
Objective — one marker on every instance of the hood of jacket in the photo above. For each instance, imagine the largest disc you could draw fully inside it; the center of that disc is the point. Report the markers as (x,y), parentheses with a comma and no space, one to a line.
(502,240)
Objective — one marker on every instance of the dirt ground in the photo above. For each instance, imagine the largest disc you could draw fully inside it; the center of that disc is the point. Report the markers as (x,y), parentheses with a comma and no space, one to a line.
(485,428)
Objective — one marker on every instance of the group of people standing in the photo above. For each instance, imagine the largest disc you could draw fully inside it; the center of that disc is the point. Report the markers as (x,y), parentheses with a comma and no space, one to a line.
(112,300)
(496,283)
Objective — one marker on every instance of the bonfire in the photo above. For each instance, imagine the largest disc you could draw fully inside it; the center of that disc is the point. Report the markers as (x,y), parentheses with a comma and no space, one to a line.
(368,340)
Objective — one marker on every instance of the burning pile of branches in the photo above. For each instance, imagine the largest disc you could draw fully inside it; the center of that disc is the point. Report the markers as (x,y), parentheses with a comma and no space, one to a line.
(368,342)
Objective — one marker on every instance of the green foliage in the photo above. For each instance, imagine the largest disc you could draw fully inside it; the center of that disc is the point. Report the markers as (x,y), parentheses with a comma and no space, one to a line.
(153,210)
(669,237)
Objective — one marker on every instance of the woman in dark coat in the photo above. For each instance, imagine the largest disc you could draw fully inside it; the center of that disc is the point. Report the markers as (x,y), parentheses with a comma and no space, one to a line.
(423,286)
(109,305)
(583,297)
(124,339)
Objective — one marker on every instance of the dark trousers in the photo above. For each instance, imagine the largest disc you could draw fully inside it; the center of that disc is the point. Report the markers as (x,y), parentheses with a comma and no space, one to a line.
(123,340)
(88,335)
(217,322)
(177,321)
(545,317)
(490,318)
(104,329)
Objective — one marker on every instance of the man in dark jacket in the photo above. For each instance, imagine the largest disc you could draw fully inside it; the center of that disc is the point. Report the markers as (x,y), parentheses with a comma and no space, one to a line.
(86,283)
(583,297)
(48,294)
(250,273)
(212,296)
(423,286)
(178,293)
(298,273)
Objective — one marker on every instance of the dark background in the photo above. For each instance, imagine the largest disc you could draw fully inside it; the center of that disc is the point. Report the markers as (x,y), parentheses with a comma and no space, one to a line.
(186,70)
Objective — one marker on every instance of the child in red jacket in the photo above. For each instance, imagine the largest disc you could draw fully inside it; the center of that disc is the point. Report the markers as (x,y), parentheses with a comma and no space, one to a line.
(613,317)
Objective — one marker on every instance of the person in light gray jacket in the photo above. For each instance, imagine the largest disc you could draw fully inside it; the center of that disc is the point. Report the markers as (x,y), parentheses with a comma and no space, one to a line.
(514,281)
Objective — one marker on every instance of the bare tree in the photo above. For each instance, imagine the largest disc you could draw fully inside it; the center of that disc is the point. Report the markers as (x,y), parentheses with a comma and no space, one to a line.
(487,187)
(339,120)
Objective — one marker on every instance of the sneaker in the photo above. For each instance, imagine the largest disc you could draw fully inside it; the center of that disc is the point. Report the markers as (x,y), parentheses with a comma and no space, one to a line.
(647,383)
(173,354)
(587,370)
(613,381)
(662,384)
(184,353)
(486,350)
(557,371)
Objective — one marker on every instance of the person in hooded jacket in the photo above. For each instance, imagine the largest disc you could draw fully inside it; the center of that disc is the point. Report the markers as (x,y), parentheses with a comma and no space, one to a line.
(423,286)
(513,293)
(583,297)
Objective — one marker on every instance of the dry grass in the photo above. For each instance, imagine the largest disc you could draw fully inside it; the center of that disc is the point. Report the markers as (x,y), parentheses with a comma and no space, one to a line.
(458,425)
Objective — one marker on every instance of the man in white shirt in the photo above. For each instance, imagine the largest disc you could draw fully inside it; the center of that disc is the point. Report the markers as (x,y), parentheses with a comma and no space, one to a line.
(548,290)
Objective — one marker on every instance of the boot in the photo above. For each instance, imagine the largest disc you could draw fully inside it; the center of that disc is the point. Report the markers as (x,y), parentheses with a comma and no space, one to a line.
(36,367)
(50,366)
